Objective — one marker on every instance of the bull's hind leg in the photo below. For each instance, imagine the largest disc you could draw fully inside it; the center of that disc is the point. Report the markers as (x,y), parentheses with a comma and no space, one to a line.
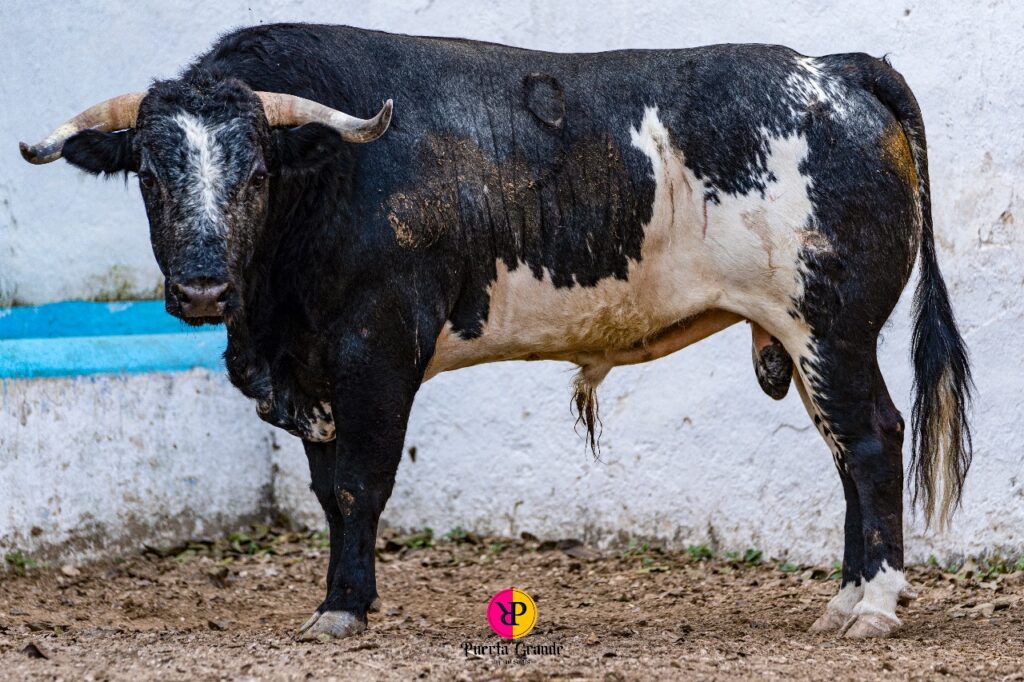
(849,402)
(851,589)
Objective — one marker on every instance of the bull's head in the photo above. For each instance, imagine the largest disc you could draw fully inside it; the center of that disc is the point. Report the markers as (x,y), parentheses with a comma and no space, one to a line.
(204,151)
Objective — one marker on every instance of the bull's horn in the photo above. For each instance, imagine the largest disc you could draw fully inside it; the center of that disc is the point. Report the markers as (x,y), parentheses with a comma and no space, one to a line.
(289,110)
(116,113)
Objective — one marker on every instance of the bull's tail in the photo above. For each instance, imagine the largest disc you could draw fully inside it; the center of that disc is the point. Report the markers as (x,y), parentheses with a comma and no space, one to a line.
(584,398)
(941,449)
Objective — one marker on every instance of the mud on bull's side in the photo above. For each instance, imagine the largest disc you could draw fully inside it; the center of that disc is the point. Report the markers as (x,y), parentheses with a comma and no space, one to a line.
(603,209)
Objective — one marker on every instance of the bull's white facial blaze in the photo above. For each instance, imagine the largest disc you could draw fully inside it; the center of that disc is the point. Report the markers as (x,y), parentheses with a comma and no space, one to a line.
(205,155)
(739,255)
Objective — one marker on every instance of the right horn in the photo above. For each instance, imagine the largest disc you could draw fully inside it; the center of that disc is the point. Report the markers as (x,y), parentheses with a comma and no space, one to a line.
(289,110)
(116,113)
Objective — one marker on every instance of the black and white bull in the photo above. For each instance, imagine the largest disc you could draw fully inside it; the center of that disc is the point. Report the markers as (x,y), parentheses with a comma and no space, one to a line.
(602,209)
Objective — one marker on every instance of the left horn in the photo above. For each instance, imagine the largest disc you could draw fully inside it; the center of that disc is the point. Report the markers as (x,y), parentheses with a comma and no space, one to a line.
(289,110)
(116,113)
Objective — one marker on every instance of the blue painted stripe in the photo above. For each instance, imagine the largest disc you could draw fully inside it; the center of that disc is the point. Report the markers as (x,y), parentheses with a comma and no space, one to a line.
(82,318)
(76,338)
(28,358)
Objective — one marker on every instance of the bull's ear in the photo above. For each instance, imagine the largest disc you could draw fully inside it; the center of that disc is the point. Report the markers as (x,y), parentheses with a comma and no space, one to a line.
(97,152)
(306,147)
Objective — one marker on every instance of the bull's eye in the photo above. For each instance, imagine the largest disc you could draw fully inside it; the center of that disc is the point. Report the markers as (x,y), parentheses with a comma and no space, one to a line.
(258,179)
(147,179)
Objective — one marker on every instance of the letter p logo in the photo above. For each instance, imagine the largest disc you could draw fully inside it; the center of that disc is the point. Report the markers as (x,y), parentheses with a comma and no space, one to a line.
(511,613)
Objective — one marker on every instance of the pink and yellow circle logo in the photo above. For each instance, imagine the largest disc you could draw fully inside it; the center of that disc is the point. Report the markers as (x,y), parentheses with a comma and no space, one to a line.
(511,614)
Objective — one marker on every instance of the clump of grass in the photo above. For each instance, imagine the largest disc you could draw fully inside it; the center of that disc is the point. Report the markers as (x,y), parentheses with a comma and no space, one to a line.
(700,552)
(646,554)
(250,544)
(751,557)
(637,549)
(787,567)
(991,567)
(19,562)
(984,568)
(457,534)
(421,539)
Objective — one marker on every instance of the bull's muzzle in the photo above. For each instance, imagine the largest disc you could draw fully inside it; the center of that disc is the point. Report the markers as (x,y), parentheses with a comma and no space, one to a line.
(202,298)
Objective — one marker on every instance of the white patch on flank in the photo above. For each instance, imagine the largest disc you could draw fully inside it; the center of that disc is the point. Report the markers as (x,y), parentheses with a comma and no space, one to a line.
(882,593)
(741,258)
(809,84)
(204,156)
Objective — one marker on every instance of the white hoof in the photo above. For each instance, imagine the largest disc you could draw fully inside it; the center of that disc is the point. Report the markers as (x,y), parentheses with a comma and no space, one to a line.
(840,608)
(871,625)
(330,624)
(830,620)
(907,595)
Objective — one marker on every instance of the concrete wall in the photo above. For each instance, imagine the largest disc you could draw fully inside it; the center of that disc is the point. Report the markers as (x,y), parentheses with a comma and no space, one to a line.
(692,450)
(102,464)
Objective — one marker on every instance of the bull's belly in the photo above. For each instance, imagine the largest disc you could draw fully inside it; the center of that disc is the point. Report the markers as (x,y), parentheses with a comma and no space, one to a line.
(530,319)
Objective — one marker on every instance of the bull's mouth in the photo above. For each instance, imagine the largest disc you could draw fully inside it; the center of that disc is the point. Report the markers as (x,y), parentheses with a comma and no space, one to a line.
(202,321)
(173,308)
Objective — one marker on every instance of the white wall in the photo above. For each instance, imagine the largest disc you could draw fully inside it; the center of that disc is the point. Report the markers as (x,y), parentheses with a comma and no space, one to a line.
(98,465)
(691,447)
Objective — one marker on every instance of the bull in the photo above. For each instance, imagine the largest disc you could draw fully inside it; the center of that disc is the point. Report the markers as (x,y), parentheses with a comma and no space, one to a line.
(602,209)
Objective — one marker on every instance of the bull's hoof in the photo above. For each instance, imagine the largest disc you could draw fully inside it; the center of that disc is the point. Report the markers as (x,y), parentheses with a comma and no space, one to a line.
(376,605)
(907,595)
(871,625)
(330,625)
(830,620)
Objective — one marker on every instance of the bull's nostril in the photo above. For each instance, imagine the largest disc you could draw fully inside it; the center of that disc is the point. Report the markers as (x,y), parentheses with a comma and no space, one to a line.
(202,297)
(180,293)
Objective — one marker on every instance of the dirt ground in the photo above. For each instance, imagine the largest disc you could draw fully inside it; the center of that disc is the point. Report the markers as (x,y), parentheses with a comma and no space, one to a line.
(225,610)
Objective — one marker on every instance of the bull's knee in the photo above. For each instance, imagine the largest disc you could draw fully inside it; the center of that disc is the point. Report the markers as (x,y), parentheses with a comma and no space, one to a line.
(772,364)
(889,421)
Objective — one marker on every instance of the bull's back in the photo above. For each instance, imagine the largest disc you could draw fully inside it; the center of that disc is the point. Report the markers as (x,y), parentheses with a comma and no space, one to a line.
(585,202)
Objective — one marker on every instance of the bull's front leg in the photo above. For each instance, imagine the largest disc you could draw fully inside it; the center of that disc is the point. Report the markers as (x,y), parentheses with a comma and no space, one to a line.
(353,478)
